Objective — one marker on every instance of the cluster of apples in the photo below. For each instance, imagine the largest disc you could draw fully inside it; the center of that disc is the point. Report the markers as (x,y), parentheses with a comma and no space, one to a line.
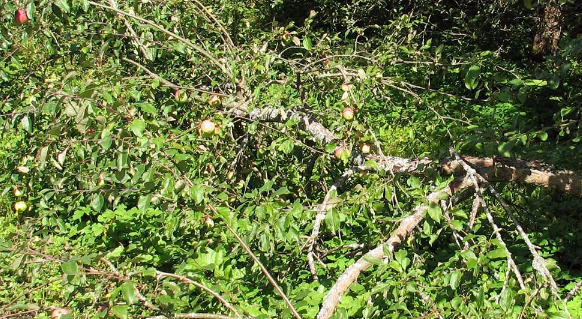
(348,114)
(19,206)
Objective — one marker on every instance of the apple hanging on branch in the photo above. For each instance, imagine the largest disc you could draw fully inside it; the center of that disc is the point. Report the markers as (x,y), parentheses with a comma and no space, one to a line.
(207,127)
(21,16)
(366,148)
(348,113)
(341,151)
(214,99)
(180,96)
(20,206)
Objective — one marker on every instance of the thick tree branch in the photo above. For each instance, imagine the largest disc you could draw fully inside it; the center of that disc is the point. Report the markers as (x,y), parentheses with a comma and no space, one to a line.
(404,229)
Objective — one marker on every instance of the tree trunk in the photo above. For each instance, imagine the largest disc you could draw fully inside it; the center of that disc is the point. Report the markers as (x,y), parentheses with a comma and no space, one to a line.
(548,29)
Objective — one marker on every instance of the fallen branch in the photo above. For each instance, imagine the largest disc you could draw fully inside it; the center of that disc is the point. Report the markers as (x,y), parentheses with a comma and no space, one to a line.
(493,170)
(406,226)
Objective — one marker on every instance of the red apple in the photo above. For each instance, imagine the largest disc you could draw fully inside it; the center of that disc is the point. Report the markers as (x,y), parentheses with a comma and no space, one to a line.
(58,313)
(207,126)
(348,113)
(214,99)
(21,16)
(346,87)
(180,96)
(366,148)
(340,151)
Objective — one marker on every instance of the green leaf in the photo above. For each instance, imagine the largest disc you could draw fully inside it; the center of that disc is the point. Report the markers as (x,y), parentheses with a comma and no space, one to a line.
(307,43)
(287,146)
(120,311)
(455,279)
(106,140)
(471,78)
(137,127)
(505,149)
(197,193)
(127,290)
(332,220)
(26,124)
(144,202)
(63,5)
(435,212)
(70,268)
(497,253)
(97,202)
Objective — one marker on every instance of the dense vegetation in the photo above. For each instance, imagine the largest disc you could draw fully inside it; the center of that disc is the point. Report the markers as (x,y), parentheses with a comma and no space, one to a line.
(117,202)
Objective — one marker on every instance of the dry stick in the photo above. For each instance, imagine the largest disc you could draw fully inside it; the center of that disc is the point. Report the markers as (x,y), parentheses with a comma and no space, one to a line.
(136,291)
(528,302)
(538,262)
(212,19)
(430,302)
(471,173)
(136,39)
(184,279)
(197,48)
(259,263)
(404,229)
(323,208)
(166,82)
(194,316)
(573,292)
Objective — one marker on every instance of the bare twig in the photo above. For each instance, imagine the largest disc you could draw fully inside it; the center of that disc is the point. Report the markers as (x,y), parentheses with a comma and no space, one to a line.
(196,48)
(473,176)
(186,280)
(573,292)
(260,264)
(325,206)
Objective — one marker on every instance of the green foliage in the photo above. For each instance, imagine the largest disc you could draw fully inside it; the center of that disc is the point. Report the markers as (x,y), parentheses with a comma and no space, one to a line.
(129,201)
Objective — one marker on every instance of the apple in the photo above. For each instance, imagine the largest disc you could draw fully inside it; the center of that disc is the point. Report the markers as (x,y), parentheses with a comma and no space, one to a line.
(366,148)
(20,206)
(180,96)
(346,87)
(16,191)
(214,99)
(207,126)
(58,313)
(340,151)
(101,179)
(348,113)
(21,16)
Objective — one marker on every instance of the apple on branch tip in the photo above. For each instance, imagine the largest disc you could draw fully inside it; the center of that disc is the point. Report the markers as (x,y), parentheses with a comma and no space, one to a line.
(346,86)
(180,96)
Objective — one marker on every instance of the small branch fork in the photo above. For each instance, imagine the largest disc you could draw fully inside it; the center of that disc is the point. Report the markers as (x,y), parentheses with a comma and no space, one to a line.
(538,262)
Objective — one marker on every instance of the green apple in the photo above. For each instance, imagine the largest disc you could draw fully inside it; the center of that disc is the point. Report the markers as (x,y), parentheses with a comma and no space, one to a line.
(20,206)
(348,113)
(366,148)
(207,126)
(340,151)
